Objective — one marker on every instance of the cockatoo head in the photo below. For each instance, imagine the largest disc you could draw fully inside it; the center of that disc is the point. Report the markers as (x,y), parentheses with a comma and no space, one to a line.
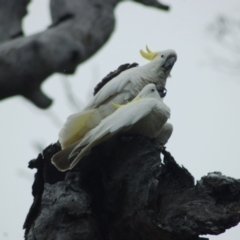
(149,91)
(163,60)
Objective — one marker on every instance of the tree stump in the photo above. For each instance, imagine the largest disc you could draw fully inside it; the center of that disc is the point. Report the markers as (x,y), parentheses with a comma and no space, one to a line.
(128,194)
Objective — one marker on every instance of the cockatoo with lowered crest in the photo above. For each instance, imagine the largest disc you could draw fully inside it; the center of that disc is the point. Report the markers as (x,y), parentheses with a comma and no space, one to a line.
(121,89)
(145,114)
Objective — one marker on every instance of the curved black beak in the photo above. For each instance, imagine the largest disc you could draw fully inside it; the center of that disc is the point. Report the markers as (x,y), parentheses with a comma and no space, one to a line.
(169,63)
(162,91)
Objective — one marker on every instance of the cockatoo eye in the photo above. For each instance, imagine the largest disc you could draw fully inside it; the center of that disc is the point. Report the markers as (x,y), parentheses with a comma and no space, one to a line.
(162,56)
(152,90)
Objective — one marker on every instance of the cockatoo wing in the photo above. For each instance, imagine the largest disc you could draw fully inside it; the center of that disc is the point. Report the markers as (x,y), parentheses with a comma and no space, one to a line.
(112,75)
(120,120)
(117,85)
(60,158)
(75,128)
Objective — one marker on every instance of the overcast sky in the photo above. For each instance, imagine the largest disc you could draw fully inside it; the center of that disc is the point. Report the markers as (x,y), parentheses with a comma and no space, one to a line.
(204,99)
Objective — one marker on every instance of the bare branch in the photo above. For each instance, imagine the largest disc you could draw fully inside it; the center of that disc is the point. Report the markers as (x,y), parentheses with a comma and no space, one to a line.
(11,15)
(154,3)
(79,29)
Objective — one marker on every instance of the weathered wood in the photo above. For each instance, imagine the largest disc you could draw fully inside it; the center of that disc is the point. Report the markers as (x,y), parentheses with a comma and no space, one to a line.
(79,29)
(65,208)
(131,194)
(11,15)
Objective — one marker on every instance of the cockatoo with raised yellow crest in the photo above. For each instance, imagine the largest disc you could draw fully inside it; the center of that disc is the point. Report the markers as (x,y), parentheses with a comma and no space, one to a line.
(145,114)
(121,89)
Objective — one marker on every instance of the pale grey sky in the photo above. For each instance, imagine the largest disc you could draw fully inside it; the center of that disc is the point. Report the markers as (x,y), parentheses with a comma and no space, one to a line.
(204,101)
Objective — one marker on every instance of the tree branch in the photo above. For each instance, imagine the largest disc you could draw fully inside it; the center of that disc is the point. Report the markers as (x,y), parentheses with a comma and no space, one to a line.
(79,29)
(11,15)
(154,3)
(129,193)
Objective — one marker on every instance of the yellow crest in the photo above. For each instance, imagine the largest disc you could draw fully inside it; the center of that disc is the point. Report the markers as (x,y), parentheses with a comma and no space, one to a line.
(149,55)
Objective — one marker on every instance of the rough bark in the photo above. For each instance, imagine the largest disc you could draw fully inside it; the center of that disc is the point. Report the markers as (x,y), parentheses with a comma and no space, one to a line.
(130,194)
(79,28)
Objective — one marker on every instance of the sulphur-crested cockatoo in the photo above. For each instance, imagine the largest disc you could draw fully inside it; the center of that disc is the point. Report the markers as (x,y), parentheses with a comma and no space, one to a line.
(145,114)
(121,89)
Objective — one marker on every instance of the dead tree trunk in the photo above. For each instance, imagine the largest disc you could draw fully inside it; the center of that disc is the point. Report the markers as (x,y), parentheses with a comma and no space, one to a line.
(129,194)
